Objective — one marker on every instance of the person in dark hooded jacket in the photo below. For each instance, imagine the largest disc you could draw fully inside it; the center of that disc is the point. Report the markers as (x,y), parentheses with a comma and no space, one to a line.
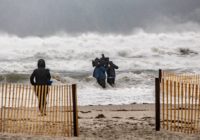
(40,78)
(99,73)
(104,60)
(110,70)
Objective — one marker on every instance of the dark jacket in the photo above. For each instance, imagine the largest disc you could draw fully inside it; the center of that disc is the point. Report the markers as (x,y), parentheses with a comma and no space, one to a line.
(40,76)
(99,72)
(104,60)
(110,69)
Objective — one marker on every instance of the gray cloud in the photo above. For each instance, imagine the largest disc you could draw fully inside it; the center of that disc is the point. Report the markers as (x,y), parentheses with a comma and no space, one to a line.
(47,17)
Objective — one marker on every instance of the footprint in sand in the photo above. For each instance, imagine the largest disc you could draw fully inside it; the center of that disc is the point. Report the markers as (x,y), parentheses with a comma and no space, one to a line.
(132,118)
(85,111)
(100,116)
(116,117)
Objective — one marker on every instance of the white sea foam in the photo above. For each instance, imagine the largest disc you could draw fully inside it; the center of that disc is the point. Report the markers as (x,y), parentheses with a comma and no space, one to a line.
(138,56)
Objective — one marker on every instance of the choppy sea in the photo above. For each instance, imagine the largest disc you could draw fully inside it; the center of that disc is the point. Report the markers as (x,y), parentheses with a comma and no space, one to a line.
(139,56)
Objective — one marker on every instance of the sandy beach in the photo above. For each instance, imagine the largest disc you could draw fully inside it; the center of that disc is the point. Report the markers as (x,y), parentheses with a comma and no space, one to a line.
(115,122)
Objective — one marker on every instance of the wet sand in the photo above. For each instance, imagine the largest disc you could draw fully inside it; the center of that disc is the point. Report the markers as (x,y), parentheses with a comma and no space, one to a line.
(115,122)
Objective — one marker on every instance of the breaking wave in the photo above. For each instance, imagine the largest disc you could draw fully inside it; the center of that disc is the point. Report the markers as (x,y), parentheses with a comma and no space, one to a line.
(138,56)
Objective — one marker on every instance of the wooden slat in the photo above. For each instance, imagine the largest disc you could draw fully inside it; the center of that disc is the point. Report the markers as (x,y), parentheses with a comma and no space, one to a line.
(175,109)
(25,109)
(182,106)
(195,106)
(50,106)
(51,109)
(71,115)
(5,102)
(47,120)
(54,103)
(9,109)
(170,105)
(178,104)
(21,110)
(36,88)
(185,120)
(163,102)
(62,111)
(39,114)
(30,99)
(43,105)
(43,109)
(192,116)
(15,106)
(31,114)
(59,107)
(2,108)
(189,109)
(198,116)
(19,89)
(167,103)
(67,103)
(12,107)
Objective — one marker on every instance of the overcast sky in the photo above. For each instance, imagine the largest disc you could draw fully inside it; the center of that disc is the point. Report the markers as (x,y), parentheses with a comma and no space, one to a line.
(48,17)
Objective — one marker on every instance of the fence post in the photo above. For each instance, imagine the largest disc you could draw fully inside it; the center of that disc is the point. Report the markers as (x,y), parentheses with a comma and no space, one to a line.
(160,75)
(2,102)
(157,104)
(75,110)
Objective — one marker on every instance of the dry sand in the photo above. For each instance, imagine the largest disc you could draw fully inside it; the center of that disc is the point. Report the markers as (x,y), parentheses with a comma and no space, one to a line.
(115,122)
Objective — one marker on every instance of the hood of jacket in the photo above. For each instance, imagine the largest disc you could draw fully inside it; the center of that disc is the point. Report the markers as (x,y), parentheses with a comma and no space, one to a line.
(41,63)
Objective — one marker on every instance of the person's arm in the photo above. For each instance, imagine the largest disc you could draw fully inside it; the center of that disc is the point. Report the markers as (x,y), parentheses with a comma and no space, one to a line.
(48,74)
(114,66)
(32,78)
(49,82)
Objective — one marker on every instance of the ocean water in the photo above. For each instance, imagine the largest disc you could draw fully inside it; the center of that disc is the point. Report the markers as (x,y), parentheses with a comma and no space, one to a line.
(139,56)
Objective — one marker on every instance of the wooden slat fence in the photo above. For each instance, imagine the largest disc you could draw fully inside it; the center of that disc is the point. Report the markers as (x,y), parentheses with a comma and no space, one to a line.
(180,102)
(39,110)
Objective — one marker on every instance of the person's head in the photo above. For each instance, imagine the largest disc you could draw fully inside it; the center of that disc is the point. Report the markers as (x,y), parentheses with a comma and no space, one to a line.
(107,59)
(41,63)
(96,59)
